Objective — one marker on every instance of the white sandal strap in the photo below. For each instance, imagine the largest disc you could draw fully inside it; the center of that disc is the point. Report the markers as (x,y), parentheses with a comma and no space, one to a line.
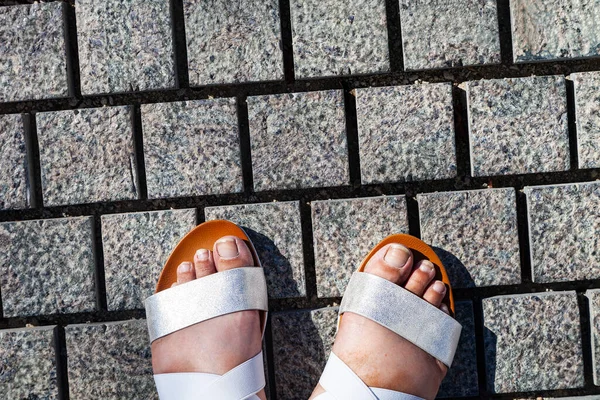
(214,295)
(341,383)
(242,382)
(402,312)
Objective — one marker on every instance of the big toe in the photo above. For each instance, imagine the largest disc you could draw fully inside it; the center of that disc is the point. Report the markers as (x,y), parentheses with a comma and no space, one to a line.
(392,262)
(232,252)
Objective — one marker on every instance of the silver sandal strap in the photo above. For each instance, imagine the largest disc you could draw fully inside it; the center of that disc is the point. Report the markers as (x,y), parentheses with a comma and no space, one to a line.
(214,295)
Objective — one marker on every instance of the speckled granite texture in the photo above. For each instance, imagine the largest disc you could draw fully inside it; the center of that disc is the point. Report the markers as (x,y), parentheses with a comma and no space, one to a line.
(461,380)
(47,266)
(551,29)
(587,115)
(532,342)
(518,126)
(32,39)
(406,133)
(337,37)
(302,341)
(594,303)
(344,231)
(441,33)
(14,182)
(276,233)
(109,361)
(191,148)
(475,235)
(298,140)
(124,45)
(87,155)
(136,247)
(564,222)
(28,364)
(233,41)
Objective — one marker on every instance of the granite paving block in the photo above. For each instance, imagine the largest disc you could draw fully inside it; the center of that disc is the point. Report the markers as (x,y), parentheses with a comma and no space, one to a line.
(439,34)
(125,45)
(594,304)
(344,231)
(33,55)
(551,29)
(28,363)
(87,155)
(533,342)
(337,37)
(518,125)
(276,232)
(192,148)
(136,247)
(587,115)
(14,182)
(461,380)
(47,266)
(406,133)
(298,140)
(109,361)
(302,341)
(564,221)
(233,41)
(475,235)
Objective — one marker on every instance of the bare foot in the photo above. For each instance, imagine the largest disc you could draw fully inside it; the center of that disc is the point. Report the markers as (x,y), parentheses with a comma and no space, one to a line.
(387,360)
(220,344)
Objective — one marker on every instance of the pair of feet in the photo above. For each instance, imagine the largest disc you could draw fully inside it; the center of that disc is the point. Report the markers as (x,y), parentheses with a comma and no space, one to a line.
(385,360)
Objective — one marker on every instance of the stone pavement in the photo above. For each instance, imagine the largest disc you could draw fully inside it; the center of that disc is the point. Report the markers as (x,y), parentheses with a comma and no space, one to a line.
(321,126)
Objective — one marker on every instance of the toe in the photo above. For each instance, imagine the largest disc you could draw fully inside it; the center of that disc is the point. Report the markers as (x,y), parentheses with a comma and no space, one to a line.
(392,262)
(231,252)
(185,272)
(435,293)
(420,278)
(445,309)
(204,264)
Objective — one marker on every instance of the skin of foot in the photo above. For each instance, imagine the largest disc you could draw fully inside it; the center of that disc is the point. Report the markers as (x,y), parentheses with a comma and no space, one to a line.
(377,355)
(220,344)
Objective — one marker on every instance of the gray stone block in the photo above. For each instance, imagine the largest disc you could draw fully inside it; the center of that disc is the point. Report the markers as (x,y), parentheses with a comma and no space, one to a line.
(87,155)
(439,34)
(462,380)
(14,182)
(594,301)
(231,41)
(47,266)
(344,232)
(124,45)
(551,29)
(276,232)
(406,133)
(337,37)
(475,235)
(136,247)
(518,126)
(302,341)
(533,342)
(109,361)
(28,363)
(563,231)
(33,55)
(298,140)
(192,148)
(587,115)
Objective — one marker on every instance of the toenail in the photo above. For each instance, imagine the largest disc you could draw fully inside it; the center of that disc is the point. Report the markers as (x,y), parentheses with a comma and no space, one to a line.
(202,255)
(227,248)
(445,308)
(439,287)
(427,267)
(397,256)
(184,268)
